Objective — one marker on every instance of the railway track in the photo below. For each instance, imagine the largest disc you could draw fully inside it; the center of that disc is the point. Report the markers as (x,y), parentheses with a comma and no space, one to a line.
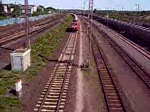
(53,96)
(12,43)
(110,88)
(9,30)
(32,30)
(139,48)
(137,69)
(111,94)
(135,66)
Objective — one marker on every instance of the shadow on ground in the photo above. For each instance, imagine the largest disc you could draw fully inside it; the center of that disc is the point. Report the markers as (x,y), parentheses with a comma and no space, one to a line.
(8,67)
(69,30)
(13,92)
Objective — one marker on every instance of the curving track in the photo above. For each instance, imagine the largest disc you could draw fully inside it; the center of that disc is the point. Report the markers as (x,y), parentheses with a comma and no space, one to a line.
(54,94)
(137,68)
(10,29)
(111,94)
(136,60)
(15,41)
(37,28)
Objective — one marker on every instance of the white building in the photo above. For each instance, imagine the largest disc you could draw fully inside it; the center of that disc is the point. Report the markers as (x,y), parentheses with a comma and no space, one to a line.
(34,8)
(9,8)
(5,8)
(31,9)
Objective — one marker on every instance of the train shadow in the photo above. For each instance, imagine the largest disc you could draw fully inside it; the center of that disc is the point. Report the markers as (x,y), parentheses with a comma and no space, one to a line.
(5,48)
(70,63)
(13,92)
(8,67)
(70,30)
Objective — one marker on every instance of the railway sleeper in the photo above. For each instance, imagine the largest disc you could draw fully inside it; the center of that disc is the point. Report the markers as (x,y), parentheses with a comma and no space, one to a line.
(116,110)
(109,88)
(109,94)
(52,107)
(110,91)
(114,101)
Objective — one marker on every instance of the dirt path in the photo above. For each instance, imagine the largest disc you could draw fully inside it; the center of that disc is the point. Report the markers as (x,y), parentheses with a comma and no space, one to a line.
(89,96)
(79,94)
(85,92)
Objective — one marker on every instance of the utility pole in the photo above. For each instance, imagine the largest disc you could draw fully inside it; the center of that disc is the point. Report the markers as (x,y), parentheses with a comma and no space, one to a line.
(90,15)
(89,27)
(27,24)
(107,16)
(138,7)
(84,8)
(1,2)
(15,12)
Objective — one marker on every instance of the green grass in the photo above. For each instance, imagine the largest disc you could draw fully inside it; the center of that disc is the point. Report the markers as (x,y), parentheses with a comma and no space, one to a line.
(3,17)
(7,80)
(8,104)
(46,45)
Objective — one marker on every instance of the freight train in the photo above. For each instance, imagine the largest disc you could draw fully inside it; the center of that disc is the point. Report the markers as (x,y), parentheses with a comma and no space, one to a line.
(130,29)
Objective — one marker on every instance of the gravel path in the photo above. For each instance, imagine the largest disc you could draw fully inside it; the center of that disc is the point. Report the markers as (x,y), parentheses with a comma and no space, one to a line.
(79,95)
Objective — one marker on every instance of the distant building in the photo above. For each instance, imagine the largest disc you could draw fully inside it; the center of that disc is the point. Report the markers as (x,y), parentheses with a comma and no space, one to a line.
(50,12)
(3,8)
(31,9)
(6,8)
(9,8)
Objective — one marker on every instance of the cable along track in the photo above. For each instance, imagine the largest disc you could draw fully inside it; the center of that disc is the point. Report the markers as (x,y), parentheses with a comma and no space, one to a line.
(54,94)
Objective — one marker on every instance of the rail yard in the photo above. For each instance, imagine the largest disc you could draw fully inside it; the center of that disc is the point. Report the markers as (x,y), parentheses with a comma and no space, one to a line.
(78,61)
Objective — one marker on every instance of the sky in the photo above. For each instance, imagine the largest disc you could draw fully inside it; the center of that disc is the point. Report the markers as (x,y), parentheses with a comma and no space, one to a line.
(98,4)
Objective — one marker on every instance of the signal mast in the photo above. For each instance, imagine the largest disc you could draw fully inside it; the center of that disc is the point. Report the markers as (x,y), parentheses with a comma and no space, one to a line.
(27,24)
(89,27)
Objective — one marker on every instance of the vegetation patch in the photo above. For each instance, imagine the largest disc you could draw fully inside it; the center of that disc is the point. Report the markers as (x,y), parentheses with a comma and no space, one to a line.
(41,10)
(8,104)
(128,16)
(3,17)
(45,46)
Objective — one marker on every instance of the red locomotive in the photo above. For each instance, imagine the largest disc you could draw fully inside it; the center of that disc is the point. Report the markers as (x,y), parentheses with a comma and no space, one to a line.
(75,24)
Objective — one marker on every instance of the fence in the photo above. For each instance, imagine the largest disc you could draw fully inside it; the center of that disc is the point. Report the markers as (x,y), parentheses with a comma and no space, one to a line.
(20,20)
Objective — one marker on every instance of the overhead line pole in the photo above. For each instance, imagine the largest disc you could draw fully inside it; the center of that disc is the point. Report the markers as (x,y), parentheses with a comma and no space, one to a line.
(89,27)
(28,45)
(84,8)
(138,7)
